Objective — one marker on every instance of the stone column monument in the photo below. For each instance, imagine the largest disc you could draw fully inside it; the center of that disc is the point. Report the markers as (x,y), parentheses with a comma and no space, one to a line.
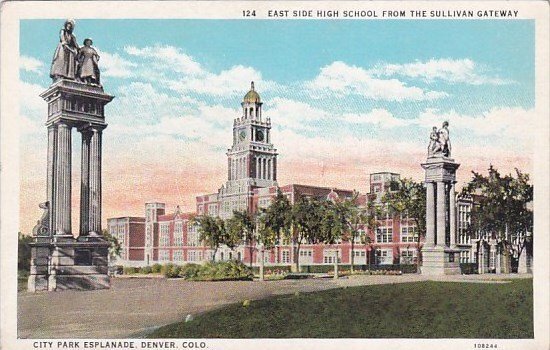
(439,253)
(76,100)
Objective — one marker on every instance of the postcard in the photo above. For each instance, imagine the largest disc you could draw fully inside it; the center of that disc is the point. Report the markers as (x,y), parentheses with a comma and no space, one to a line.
(283,174)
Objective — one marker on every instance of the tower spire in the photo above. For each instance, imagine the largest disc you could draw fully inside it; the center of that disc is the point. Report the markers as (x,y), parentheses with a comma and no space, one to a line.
(252,85)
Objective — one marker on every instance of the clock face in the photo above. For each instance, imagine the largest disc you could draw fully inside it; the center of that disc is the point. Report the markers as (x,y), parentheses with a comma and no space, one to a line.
(259,136)
(242,135)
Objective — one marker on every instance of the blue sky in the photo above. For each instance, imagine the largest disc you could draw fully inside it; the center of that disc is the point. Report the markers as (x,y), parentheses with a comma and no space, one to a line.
(357,95)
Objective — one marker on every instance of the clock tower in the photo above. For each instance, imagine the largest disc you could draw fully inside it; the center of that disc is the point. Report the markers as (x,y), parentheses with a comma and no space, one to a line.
(251,160)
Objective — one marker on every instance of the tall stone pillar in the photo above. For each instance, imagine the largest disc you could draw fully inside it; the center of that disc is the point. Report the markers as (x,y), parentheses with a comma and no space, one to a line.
(440,259)
(51,176)
(453,219)
(441,208)
(62,202)
(95,181)
(430,214)
(85,183)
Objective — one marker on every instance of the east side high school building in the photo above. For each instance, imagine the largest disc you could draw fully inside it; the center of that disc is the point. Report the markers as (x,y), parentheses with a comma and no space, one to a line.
(162,236)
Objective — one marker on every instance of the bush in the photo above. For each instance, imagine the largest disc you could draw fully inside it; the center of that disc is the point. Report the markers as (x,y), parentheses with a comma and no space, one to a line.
(145,270)
(217,271)
(189,271)
(170,270)
(130,270)
(156,268)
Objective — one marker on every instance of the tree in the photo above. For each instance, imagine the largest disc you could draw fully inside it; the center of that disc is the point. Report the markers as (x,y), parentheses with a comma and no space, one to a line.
(409,199)
(24,252)
(501,210)
(115,247)
(306,216)
(265,235)
(277,217)
(240,227)
(211,231)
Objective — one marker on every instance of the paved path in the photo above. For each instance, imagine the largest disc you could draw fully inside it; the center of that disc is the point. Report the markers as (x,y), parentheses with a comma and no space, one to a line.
(135,306)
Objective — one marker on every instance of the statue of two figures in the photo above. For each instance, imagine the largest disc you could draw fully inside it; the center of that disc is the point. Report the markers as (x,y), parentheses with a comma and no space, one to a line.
(73,62)
(440,144)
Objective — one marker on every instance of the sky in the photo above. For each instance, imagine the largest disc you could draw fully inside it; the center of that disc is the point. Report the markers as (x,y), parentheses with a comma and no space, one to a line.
(346,98)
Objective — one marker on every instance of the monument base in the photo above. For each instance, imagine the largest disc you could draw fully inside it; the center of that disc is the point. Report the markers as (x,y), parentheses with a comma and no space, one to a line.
(62,264)
(437,261)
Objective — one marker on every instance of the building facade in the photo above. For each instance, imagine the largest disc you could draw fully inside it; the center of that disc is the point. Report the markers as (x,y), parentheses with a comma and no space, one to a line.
(161,237)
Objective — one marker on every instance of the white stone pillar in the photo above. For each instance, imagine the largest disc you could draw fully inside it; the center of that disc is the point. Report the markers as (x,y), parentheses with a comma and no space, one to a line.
(85,183)
(63,182)
(430,214)
(95,182)
(440,214)
(52,175)
(452,214)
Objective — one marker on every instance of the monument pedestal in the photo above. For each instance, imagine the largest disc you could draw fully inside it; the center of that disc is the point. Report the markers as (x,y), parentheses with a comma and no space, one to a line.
(439,254)
(437,261)
(69,264)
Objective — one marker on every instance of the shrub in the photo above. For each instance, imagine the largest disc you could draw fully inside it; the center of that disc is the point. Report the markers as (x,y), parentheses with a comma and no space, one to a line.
(145,270)
(130,270)
(156,268)
(220,271)
(170,270)
(189,271)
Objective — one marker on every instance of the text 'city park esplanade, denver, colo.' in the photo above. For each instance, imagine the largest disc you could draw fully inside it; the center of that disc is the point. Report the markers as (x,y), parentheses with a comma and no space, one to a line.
(76,101)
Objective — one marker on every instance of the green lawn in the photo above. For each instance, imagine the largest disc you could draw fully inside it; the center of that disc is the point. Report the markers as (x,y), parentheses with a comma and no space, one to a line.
(407,310)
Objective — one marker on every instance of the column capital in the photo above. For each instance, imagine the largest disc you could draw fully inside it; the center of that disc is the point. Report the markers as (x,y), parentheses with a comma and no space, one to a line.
(91,128)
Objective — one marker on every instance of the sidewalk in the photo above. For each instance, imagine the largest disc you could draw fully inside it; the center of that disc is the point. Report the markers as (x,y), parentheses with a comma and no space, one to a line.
(136,305)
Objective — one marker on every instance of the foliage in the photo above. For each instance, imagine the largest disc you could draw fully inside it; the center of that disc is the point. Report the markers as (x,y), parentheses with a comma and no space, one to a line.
(212,231)
(156,268)
(427,309)
(115,248)
(501,207)
(130,270)
(171,270)
(216,271)
(409,199)
(146,270)
(23,252)
(276,220)
(240,227)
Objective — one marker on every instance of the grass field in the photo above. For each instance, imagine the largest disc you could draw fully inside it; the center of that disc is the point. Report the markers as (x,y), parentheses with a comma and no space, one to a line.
(408,310)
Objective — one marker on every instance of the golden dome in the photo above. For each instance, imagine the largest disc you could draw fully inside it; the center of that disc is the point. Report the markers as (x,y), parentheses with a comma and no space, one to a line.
(251,96)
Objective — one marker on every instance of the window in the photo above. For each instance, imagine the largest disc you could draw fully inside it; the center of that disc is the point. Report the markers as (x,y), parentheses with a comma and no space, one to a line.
(178,233)
(409,234)
(464,257)
(306,256)
(192,236)
(408,256)
(178,256)
(384,235)
(164,235)
(329,256)
(359,256)
(384,256)
(164,255)
(286,256)
(194,255)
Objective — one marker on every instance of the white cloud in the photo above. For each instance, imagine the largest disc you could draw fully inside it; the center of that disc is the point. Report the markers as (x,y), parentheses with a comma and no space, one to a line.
(31,64)
(379,117)
(339,79)
(450,70)
(167,57)
(113,65)
(293,114)
(502,122)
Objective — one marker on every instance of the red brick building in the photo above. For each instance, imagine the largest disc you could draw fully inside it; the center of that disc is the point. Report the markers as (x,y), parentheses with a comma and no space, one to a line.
(252,184)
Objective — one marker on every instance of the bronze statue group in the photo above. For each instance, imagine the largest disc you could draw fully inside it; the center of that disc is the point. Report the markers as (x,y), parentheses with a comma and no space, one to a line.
(73,62)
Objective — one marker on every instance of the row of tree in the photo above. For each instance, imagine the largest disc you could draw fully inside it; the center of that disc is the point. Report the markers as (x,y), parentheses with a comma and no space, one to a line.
(307,221)
(501,210)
